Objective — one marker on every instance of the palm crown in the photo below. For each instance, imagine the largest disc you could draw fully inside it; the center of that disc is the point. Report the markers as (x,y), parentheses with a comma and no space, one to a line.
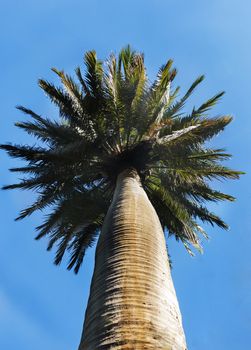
(114,119)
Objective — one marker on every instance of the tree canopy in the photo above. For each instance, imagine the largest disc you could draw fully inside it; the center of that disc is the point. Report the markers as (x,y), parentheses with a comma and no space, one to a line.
(112,118)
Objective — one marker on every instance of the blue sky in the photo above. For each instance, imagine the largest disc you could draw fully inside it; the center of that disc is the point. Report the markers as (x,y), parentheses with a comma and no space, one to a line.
(42,306)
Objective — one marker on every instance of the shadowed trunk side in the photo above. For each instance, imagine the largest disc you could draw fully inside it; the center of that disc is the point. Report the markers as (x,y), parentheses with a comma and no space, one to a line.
(132,302)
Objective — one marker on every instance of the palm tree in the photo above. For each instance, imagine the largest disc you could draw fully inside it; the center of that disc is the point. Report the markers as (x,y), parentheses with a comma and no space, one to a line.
(123,160)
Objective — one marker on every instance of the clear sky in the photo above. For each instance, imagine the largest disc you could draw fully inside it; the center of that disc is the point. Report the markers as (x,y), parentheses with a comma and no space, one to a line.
(42,306)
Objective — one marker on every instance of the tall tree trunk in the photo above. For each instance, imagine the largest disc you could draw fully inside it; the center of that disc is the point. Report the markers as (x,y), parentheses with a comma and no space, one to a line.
(132,303)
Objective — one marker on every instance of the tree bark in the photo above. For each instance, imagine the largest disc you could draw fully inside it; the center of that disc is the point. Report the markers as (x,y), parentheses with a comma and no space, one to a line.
(132,303)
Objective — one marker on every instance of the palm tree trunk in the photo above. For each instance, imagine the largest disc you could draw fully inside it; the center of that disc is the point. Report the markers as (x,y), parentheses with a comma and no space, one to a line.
(132,303)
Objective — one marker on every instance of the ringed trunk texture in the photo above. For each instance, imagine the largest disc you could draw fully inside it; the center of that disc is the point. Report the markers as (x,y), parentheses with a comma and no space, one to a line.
(132,303)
